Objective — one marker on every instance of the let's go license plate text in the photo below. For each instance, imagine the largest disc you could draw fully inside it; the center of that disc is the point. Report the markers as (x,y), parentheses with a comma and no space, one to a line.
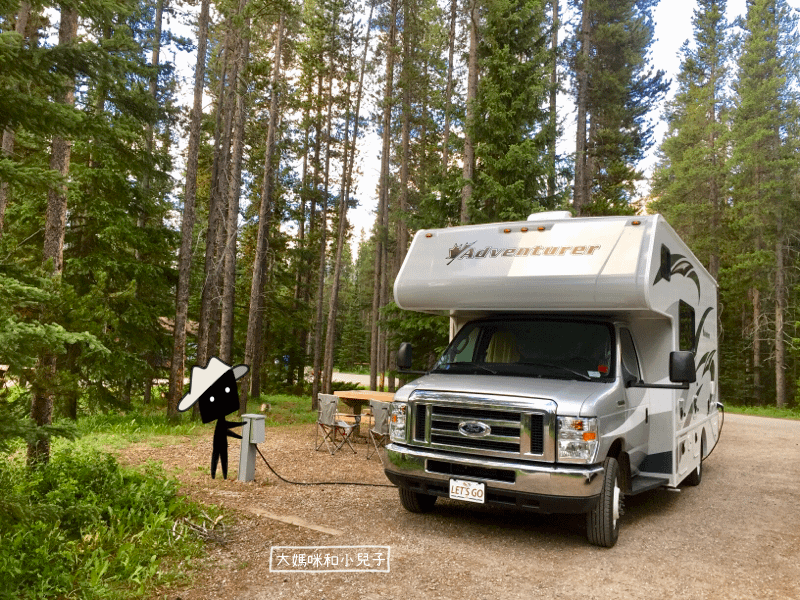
(471,491)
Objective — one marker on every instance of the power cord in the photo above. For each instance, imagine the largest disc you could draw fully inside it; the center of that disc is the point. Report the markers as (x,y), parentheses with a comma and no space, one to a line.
(319,482)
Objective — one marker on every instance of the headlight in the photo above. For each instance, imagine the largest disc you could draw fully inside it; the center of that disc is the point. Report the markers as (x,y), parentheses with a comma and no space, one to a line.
(577,439)
(397,421)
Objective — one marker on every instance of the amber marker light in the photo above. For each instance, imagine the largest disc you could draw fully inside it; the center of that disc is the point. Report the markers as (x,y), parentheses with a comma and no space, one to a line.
(542,228)
(524,230)
(636,222)
(588,436)
(506,231)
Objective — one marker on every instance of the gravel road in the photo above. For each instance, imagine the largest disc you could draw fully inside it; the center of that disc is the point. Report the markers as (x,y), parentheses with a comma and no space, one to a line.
(736,536)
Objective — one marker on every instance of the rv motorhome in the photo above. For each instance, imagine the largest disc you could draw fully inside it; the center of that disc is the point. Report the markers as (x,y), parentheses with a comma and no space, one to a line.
(581,367)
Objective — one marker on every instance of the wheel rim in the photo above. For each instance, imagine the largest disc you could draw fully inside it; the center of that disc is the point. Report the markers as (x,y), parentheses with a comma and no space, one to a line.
(615,505)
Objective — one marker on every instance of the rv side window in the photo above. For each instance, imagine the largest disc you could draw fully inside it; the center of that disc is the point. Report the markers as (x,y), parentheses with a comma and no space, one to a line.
(629,360)
(685,326)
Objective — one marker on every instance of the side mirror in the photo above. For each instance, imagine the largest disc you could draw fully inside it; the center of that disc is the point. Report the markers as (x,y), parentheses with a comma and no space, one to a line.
(681,367)
(404,356)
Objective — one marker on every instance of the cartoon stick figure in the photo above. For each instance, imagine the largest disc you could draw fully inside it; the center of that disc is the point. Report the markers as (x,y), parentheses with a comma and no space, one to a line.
(214,387)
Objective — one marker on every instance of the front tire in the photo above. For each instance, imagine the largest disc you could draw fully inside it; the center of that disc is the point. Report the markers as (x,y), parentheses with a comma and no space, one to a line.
(416,502)
(602,522)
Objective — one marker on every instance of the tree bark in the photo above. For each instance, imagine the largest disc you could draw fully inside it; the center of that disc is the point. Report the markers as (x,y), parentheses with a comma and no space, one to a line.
(255,323)
(756,299)
(780,307)
(187,226)
(553,121)
(319,323)
(579,198)
(405,134)
(381,222)
(341,236)
(7,144)
(210,304)
(53,251)
(468,171)
(448,100)
(237,151)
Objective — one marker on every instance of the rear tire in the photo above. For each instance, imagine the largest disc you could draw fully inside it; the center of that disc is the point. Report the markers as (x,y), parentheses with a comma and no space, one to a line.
(416,502)
(602,522)
(696,476)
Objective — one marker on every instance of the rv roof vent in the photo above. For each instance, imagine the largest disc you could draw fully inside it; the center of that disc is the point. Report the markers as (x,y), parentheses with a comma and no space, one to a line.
(551,215)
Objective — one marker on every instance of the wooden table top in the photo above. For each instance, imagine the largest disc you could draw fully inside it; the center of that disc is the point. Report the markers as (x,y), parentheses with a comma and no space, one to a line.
(365,395)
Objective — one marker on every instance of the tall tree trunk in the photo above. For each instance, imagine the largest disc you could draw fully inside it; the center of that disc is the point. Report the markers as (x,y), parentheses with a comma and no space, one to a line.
(405,134)
(210,305)
(255,322)
(237,151)
(448,95)
(7,147)
(319,322)
(780,307)
(580,191)
(468,171)
(341,236)
(553,121)
(302,295)
(381,222)
(155,60)
(187,226)
(53,251)
(756,299)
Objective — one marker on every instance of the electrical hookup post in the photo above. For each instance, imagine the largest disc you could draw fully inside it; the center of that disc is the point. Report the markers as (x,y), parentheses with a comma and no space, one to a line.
(253,433)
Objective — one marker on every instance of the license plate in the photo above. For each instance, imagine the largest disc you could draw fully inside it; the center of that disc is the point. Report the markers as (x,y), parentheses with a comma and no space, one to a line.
(471,491)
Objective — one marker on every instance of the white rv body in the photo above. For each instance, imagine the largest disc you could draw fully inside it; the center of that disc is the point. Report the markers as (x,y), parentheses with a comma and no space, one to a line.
(632,273)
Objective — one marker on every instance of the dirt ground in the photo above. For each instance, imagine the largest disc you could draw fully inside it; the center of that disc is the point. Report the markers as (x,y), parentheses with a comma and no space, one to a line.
(736,536)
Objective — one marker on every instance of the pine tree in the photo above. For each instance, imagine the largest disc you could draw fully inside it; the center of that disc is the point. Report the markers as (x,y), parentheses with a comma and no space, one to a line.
(690,183)
(616,86)
(511,126)
(764,164)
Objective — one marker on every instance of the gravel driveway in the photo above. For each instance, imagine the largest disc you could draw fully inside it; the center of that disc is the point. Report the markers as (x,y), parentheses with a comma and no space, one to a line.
(736,536)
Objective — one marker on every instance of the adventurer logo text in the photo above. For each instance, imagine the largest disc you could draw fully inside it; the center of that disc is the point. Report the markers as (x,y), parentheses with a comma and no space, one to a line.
(469,251)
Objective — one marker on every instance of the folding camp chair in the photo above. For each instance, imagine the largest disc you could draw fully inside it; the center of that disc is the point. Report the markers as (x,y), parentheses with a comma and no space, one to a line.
(331,425)
(379,433)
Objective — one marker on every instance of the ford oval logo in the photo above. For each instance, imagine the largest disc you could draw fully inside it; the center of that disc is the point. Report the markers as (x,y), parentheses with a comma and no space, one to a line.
(474,429)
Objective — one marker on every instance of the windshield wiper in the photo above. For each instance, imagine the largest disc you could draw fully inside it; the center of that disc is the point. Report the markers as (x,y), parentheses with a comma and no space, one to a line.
(466,364)
(583,376)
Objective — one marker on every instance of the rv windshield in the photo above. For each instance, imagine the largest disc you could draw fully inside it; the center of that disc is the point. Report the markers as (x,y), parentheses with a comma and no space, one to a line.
(532,347)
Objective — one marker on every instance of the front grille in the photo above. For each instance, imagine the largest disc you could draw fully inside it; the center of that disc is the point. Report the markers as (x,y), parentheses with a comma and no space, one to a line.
(510,431)
(504,435)
(483,425)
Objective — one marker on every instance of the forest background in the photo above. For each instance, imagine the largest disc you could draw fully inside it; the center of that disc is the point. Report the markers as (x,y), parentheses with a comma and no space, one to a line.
(122,264)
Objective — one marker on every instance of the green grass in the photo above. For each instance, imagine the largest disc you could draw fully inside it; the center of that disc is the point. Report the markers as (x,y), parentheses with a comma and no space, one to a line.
(284,410)
(765,411)
(117,430)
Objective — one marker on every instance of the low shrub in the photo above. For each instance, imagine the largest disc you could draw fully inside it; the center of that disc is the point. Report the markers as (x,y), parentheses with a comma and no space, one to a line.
(81,526)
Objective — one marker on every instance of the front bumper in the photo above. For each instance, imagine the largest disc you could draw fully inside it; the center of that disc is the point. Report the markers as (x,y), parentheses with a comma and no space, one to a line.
(535,486)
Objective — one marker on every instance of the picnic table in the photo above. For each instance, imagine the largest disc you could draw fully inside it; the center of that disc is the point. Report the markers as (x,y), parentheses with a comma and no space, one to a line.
(358,399)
